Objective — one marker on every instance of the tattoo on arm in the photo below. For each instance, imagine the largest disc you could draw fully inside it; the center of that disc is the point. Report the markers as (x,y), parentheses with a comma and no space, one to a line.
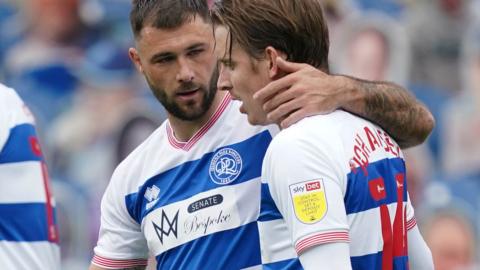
(393,108)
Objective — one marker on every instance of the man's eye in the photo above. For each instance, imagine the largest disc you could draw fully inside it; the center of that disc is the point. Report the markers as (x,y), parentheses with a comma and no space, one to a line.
(228,64)
(195,52)
(165,59)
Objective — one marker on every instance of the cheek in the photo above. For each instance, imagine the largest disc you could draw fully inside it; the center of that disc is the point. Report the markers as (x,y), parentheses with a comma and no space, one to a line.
(153,79)
(254,106)
(161,75)
(242,80)
(234,79)
(238,84)
(160,80)
(205,65)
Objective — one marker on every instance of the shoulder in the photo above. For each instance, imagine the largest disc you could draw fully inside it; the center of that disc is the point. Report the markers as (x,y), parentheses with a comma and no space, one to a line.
(301,145)
(130,172)
(13,112)
(322,137)
(238,123)
(9,99)
(311,132)
(310,149)
(12,105)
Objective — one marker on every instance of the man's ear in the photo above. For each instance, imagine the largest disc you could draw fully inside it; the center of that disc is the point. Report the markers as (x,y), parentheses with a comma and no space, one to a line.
(273,70)
(133,54)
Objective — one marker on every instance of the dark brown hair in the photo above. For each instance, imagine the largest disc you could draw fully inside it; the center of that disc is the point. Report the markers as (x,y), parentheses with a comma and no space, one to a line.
(295,27)
(166,14)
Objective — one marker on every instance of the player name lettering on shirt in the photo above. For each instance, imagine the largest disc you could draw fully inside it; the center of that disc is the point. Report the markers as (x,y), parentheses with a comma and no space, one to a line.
(368,142)
(199,222)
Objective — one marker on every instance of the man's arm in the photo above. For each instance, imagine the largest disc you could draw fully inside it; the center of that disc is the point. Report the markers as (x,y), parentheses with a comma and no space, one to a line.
(307,91)
(419,255)
(390,106)
(332,256)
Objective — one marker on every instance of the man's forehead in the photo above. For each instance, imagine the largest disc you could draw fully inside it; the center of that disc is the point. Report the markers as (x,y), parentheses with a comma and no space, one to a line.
(222,42)
(195,25)
(178,38)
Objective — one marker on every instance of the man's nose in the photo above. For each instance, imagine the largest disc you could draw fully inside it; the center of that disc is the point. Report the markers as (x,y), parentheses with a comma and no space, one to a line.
(224,83)
(185,72)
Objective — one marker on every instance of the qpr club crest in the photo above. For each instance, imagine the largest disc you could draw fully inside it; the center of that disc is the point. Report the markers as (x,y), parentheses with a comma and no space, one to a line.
(225,166)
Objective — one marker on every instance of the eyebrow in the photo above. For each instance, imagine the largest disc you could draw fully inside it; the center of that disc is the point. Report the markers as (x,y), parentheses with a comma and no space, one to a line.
(196,46)
(158,56)
(224,60)
(161,55)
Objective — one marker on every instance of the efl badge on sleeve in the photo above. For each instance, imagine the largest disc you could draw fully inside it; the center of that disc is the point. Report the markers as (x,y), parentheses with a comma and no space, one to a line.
(309,201)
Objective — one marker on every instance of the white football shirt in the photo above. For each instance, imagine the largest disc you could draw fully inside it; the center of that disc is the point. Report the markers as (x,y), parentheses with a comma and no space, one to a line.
(339,178)
(28,232)
(191,205)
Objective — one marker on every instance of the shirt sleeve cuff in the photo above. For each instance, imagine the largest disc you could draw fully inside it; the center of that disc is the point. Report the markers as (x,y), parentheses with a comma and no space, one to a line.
(321,238)
(117,264)
(411,223)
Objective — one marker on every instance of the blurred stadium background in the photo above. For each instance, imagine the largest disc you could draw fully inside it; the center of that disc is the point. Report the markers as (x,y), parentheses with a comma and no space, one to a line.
(68,60)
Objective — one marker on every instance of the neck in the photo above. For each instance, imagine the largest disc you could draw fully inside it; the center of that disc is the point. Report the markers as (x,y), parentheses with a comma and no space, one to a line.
(185,129)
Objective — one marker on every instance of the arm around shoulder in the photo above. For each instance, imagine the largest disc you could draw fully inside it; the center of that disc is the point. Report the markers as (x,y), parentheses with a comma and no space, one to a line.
(307,91)
(390,106)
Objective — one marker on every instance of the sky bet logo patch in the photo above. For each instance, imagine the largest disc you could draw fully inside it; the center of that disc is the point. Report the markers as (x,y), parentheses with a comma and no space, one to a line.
(309,201)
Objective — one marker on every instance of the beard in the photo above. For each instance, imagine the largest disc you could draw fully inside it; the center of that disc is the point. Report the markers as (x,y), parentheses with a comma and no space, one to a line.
(191,111)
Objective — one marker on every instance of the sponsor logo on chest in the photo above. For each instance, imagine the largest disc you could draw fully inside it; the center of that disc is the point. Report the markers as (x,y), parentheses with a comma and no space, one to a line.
(201,215)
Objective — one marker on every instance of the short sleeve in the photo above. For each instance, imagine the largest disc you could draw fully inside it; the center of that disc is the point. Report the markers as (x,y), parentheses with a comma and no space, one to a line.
(12,111)
(121,243)
(411,221)
(4,125)
(307,184)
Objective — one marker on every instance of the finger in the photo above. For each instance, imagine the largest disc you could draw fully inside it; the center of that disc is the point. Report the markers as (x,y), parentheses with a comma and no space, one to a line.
(292,119)
(279,99)
(274,87)
(287,66)
(284,110)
